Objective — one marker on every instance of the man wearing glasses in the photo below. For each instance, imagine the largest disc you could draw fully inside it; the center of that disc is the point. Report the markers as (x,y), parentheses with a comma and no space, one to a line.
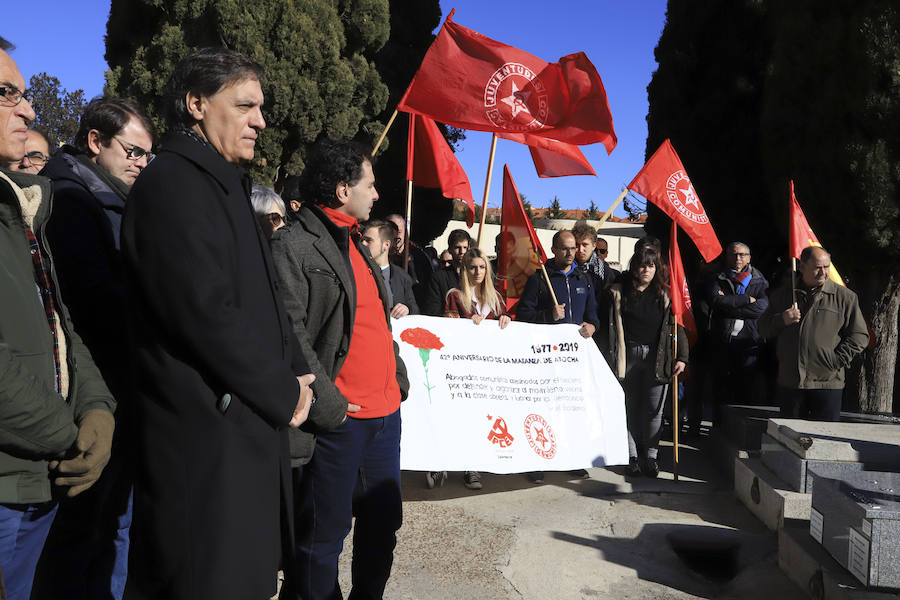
(91,180)
(37,153)
(55,411)
(737,297)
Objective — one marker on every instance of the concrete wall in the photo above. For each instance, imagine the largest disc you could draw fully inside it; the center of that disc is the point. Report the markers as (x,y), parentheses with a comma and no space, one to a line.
(621,247)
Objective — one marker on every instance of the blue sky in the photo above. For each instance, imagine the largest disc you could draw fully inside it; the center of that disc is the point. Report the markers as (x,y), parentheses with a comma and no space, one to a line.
(617,35)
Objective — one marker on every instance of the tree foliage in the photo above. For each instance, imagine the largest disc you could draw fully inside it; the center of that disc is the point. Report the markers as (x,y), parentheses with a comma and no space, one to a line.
(57,111)
(592,213)
(320,78)
(754,93)
(555,211)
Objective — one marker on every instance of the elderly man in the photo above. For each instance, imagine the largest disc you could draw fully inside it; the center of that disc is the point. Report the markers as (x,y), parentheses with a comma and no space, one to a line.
(737,297)
(37,153)
(91,180)
(446,278)
(378,237)
(816,338)
(338,301)
(55,410)
(216,366)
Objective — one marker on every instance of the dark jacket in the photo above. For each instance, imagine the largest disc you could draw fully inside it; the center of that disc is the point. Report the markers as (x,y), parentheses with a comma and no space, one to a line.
(664,353)
(402,288)
(312,259)
(814,353)
(574,290)
(726,306)
(84,236)
(214,382)
(36,423)
(442,281)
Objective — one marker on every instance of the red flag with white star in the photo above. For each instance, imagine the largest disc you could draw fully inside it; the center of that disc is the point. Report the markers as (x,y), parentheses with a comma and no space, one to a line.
(471,81)
(681,296)
(430,163)
(664,182)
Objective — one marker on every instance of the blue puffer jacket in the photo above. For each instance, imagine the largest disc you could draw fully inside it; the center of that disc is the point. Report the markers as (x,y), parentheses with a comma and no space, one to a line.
(571,289)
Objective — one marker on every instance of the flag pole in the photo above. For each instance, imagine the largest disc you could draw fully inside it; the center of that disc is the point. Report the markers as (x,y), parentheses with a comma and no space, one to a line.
(407,241)
(487,188)
(384,133)
(547,279)
(676,418)
(612,208)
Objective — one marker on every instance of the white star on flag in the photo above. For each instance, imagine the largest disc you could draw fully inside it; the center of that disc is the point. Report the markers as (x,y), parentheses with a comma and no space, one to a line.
(517,101)
(690,196)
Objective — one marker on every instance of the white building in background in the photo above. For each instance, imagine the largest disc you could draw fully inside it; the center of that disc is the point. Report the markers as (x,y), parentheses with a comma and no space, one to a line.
(619,236)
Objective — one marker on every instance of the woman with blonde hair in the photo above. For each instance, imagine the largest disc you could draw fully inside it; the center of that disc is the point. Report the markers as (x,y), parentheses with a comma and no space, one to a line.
(475,299)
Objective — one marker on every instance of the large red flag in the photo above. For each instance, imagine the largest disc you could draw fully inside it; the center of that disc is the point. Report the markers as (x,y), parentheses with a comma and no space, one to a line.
(553,158)
(802,236)
(521,253)
(681,296)
(473,82)
(664,182)
(431,163)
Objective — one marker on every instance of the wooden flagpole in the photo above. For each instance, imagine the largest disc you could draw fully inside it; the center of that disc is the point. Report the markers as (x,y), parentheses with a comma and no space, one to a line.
(547,279)
(487,188)
(384,133)
(676,419)
(612,208)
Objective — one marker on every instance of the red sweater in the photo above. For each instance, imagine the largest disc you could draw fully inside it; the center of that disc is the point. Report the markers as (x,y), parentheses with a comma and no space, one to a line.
(368,376)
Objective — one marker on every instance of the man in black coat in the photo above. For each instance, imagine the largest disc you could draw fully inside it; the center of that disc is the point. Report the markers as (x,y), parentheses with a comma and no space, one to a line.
(378,236)
(91,180)
(215,357)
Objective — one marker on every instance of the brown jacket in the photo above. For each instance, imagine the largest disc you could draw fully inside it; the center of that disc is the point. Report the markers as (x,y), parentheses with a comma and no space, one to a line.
(813,353)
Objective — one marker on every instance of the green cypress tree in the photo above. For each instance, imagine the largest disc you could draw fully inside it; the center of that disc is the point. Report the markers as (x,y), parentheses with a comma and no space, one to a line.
(320,78)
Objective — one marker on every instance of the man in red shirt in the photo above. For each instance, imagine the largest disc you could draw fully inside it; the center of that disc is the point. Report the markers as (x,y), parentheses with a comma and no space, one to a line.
(337,299)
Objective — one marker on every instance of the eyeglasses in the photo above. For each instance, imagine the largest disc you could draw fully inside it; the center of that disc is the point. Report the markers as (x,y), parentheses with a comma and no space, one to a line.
(12,94)
(602,250)
(275,219)
(36,158)
(448,262)
(135,152)
(741,254)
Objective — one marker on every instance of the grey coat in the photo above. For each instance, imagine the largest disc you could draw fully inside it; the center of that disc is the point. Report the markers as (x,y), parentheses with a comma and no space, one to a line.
(312,260)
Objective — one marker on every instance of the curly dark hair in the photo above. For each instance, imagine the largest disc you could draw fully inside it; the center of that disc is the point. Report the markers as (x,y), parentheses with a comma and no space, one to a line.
(330,163)
(642,257)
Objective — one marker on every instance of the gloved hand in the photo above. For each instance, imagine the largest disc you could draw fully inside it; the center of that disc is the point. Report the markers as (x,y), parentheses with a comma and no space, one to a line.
(91,453)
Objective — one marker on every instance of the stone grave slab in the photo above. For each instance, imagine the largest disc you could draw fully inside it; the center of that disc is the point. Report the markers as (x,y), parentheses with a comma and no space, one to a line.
(857,519)
(875,444)
(794,470)
(767,496)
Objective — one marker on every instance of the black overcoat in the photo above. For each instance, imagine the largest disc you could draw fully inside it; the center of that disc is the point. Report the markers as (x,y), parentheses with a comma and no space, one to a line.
(208,330)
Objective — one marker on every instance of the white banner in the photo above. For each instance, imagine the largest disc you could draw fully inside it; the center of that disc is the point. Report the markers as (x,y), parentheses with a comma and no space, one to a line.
(525,398)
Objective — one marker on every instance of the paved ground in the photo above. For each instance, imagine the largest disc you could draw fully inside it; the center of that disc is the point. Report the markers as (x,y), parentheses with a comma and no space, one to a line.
(600,538)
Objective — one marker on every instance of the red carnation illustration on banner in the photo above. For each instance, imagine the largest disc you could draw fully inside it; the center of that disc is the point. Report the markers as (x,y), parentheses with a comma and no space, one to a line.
(425,341)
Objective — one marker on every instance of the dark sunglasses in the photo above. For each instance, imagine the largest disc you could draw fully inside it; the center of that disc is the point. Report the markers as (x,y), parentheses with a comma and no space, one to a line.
(275,219)
(602,251)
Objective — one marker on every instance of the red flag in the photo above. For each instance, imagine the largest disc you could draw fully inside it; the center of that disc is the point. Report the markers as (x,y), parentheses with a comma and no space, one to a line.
(521,253)
(681,296)
(664,182)
(432,164)
(473,82)
(802,236)
(552,158)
